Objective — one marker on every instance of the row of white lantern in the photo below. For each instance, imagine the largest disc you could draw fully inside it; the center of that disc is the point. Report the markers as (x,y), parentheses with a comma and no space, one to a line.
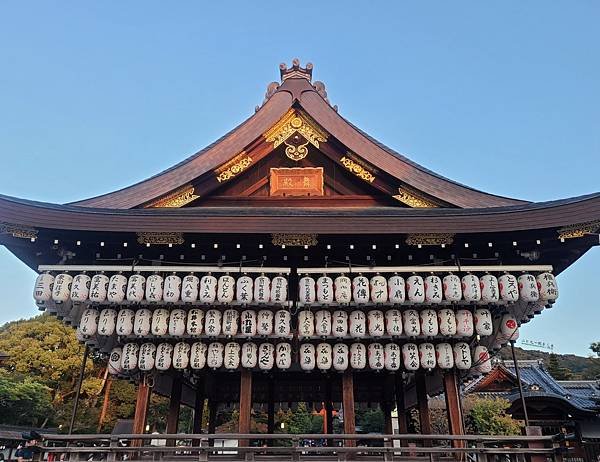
(322,323)
(179,322)
(430,289)
(153,289)
(409,323)
(323,356)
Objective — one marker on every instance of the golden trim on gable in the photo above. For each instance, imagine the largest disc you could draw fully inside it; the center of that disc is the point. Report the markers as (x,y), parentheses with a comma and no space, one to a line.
(413,200)
(176,199)
(234,167)
(578,230)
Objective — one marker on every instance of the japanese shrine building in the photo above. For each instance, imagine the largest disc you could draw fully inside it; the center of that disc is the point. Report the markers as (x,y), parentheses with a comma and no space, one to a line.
(298,259)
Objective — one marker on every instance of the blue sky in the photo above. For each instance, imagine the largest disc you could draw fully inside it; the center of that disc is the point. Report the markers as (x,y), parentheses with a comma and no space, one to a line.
(503,97)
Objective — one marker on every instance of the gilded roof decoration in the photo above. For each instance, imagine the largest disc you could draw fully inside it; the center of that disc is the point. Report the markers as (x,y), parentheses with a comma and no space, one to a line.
(175,199)
(579,230)
(430,239)
(357,169)
(292,123)
(160,238)
(413,200)
(234,167)
(294,240)
(22,232)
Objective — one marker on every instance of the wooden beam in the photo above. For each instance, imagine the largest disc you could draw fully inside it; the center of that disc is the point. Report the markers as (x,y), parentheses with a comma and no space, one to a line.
(198,410)
(348,405)
(141,411)
(423,406)
(212,418)
(400,406)
(328,417)
(245,403)
(174,407)
(453,407)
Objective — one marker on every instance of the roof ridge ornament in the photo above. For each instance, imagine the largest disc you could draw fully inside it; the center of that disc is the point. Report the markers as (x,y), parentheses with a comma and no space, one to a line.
(296,72)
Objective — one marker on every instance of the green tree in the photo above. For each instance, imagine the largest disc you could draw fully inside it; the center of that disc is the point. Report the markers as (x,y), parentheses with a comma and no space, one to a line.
(23,401)
(370,420)
(556,370)
(489,417)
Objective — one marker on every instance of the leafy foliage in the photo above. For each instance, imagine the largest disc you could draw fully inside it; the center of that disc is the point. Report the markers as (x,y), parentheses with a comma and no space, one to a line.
(489,417)
(23,401)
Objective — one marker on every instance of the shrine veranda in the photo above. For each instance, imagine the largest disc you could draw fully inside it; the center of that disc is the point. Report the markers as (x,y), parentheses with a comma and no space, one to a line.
(297,259)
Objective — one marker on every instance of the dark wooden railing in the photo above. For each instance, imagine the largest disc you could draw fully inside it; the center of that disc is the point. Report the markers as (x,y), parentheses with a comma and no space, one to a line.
(281,447)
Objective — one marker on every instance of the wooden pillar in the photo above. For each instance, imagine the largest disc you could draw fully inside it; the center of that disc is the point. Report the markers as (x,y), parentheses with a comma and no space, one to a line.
(198,411)
(453,408)
(386,408)
(423,404)
(245,403)
(348,405)
(212,418)
(271,409)
(328,424)
(400,406)
(141,411)
(174,405)
(107,385)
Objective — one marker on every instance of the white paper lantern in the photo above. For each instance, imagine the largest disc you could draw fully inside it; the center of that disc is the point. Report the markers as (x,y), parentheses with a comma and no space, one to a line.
(411,323)
(483,322)
(181,355)
(177,322)
(481,360)
(172,290)
(282,323)
(471,288)
(190,286)
(490,293)
(393,322)
(392,356)
(195,322)
(427,356)
(306,290)
(283,355)
(452,288)
(248,323)
(376,323)
(340,357)
(136,288)
(509,328)
(147,357)
(528,289)
(98,288)
(125,320)
(164,356)
(249,355)
(325,292)
(262,289)
(306,324)
(212,323)
(307,357)
(379,290)
(415,289)
(447,322)
(129,361)
(509,287)
(358,356)
(107,322)
(324,356)
(462,356)
(444,356)
(343,289)
(464,323)
(88,325)
(339,323)
(160,322)
(42,291)
(225,289)
(80,289)
(396,289)
(207,288)
(429,323)
(232,355)
(244,292)
(266,356)
(117,288)
(323,323)
(198,355)
(230,322)
(142,322)
(214,358)
(154,288)
(410,356)
(62,287)
(360,289)
(279,290)
(358,324)
(547,287)
(376,356)
(114,361)
(433,289)
(264,324)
